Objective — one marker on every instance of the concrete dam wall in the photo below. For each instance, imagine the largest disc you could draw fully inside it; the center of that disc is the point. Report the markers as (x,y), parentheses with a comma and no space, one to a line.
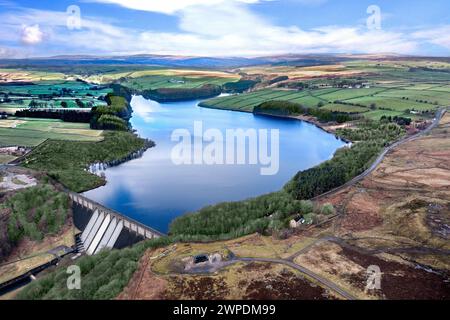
(105,228)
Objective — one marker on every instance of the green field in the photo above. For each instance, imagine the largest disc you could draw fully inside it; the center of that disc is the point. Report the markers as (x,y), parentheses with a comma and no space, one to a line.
(427,96)
(394,104)
(247,101)
(345,108)
(49,103)
(66,161)
(74,88)
(385,100)
(14,74)
(377,114)
(162,81)
(151,78)
(50,94)
(31,132)
(10,109)
(345,94)
(396,87)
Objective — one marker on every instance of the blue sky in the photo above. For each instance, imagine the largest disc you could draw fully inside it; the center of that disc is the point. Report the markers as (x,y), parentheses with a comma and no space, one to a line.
(224,27)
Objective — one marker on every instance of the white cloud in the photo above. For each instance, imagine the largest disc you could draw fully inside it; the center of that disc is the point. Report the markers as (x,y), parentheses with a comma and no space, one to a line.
(230,29)
(7,53)
(311,2)
(169,6)
(439,36)
(32,34)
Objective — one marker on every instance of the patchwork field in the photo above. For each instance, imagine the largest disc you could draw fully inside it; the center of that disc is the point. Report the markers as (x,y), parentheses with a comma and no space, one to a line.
(16,75)
(17,104)
(345,108)
(50,94)
(378,100)
(155,82)
(377,114)
(308,72)
(165,78)
(75,88)
(247,101)
(29,132)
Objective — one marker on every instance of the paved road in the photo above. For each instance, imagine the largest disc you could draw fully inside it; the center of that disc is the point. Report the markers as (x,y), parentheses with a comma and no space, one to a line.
(437,119)
(304,270)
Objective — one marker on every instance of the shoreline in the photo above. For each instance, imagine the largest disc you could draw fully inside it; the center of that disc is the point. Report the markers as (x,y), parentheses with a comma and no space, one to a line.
(308,119)
(148,144)
(151,143)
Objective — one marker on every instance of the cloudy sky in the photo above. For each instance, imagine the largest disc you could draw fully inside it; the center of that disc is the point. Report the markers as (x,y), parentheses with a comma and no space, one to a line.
(223,27)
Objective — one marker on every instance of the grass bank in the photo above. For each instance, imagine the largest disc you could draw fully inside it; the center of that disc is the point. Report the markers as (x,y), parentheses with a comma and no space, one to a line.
(66,161)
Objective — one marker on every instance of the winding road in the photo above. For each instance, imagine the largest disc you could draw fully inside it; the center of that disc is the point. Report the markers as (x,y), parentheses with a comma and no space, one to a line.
(439,114)
(306,271)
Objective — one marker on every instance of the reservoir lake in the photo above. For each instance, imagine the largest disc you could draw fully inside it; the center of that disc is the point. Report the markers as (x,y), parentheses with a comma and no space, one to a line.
(154,190)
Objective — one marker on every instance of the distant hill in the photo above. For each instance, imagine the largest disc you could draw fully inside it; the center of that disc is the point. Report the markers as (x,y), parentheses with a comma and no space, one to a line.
(196,62)
(151,60)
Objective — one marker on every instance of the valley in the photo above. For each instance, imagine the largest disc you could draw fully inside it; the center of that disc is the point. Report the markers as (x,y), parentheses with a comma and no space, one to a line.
(59,122)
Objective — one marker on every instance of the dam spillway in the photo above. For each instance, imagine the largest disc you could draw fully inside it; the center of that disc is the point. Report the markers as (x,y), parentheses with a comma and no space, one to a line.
(103,228)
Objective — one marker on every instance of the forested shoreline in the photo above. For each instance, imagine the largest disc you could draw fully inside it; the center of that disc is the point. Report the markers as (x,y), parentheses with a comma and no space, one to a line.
(181,94)
(286,108)
(271,212)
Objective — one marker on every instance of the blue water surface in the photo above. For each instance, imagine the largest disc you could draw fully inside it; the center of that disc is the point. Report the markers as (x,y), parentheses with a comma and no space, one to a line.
(154,190)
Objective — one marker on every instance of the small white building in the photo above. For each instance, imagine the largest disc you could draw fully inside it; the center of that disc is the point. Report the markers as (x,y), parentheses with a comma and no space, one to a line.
(176,81)
(297,221)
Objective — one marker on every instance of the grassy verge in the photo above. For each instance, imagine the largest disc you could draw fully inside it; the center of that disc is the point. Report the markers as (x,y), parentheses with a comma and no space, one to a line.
(66,161)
